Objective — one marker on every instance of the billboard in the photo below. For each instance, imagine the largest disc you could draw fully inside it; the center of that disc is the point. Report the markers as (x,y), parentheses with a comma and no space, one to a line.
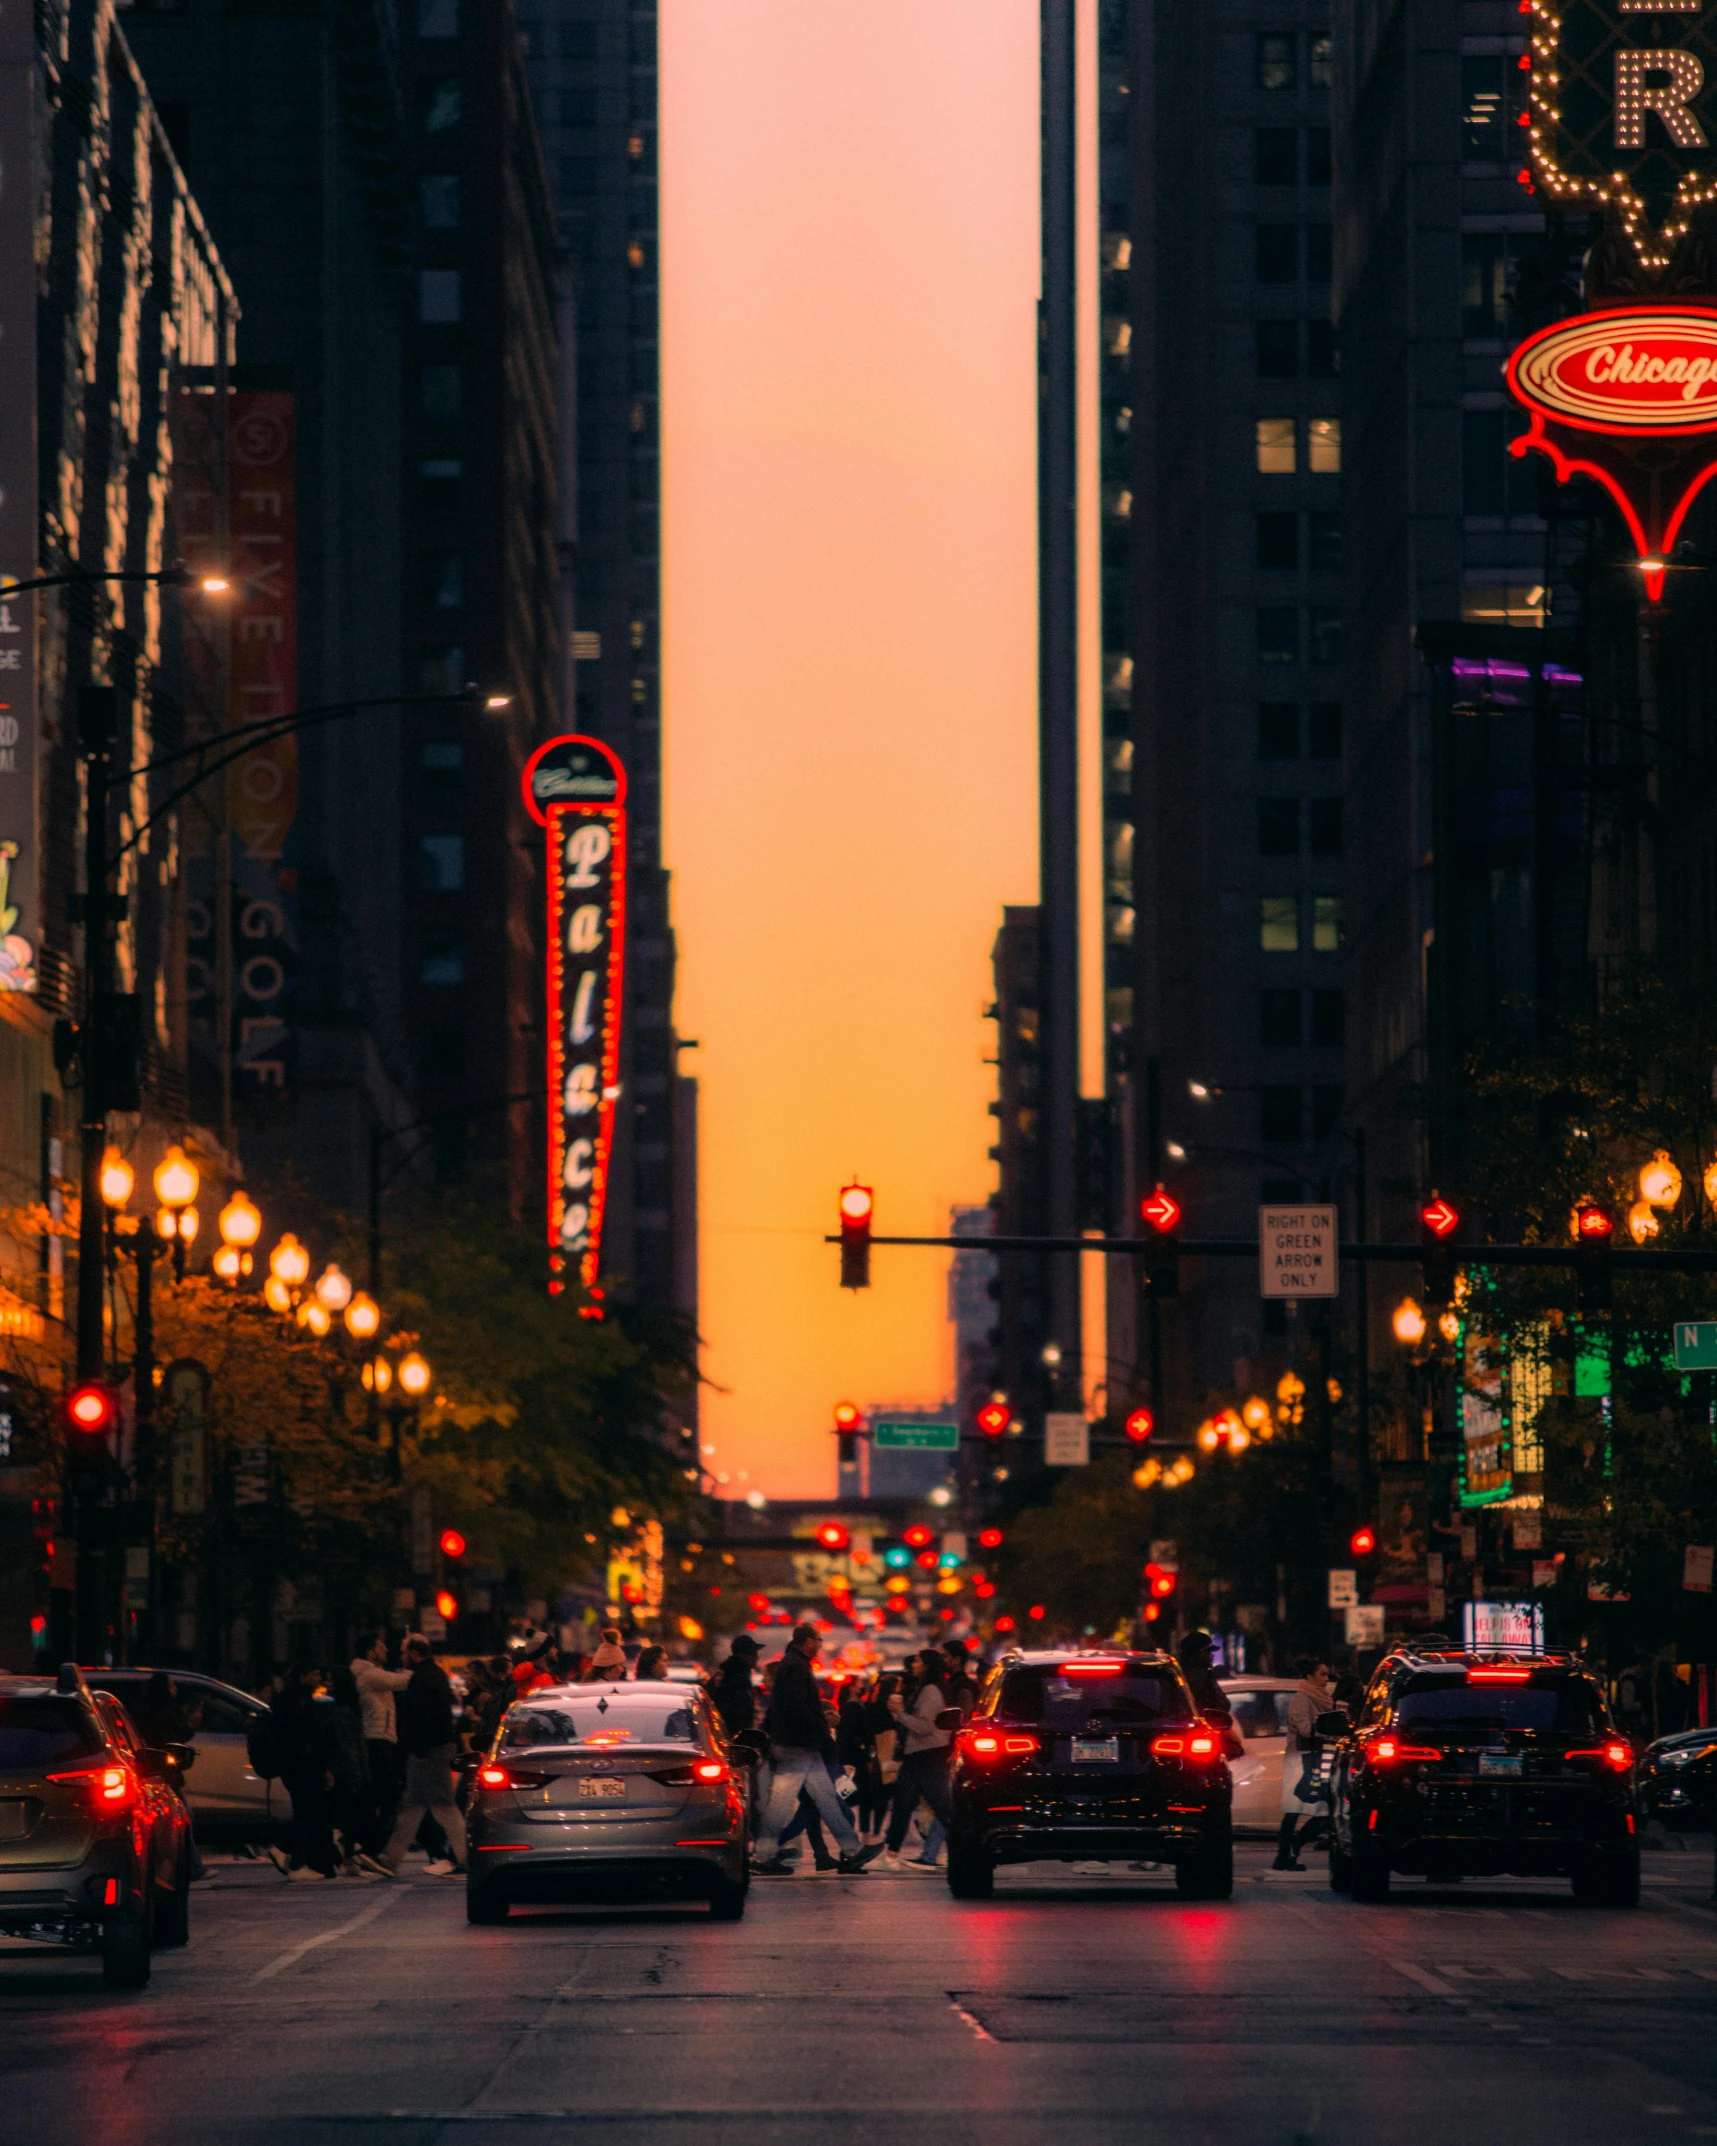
(20,864)
(575,790)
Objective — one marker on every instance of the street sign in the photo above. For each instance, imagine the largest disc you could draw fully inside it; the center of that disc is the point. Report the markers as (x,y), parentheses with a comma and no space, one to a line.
(1165,1551)
(1343,1589)
(1364,1624)
(1298,1254)
(895,1435)
(1066,1441)
(1696,1345)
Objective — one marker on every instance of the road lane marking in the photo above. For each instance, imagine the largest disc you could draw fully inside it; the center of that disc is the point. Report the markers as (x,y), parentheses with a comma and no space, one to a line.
(977,2026)
(1425,1979)
(327,1937)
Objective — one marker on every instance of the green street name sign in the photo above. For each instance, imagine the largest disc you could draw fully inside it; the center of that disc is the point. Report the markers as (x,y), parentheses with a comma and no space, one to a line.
(916,1437)
(1696,1345)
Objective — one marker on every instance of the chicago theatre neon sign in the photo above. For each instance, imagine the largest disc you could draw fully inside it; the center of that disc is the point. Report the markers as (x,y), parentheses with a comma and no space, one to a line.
(575,789)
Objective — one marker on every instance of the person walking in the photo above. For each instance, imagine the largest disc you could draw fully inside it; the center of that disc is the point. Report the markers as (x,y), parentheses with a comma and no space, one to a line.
(732,1691)
(855,1753)
(608,1663)
(923,1775)
(1311,1697)
(300,1731)
(376,1685)
(427,1738)
(651,1667)
(799,1735)
(350,1807)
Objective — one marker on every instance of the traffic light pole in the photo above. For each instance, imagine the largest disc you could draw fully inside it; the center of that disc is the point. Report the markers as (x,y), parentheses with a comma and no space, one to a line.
(1399,1255)
(95,730)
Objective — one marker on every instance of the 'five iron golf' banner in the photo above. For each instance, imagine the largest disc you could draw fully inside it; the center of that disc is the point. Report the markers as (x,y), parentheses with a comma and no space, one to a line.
(575,789)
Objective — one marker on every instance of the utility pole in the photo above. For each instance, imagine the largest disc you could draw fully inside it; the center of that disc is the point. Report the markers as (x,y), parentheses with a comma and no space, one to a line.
(97,720)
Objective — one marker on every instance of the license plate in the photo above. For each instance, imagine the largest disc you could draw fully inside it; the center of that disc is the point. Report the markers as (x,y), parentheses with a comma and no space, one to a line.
(1096,1751)
(1501,1765)
(12,1820)
(602,1788)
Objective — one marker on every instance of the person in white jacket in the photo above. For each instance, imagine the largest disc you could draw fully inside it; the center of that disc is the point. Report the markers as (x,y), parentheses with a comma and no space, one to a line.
(923,1754)
(377,1684)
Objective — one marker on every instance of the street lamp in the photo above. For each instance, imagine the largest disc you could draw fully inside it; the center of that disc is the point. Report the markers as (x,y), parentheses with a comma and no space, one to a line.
(333,1289)
(1409,1323)
(363,1317)
(414,1375)
(289,1262)
(240,1225)
(117,1179)
(176,1181)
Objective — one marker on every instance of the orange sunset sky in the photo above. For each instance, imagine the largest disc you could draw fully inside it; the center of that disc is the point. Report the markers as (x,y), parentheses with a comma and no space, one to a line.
(850,261)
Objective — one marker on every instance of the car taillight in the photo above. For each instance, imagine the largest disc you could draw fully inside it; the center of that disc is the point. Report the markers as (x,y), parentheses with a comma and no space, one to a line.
(1617,1754)
(1199,1745)
(511,1777)
(111,1788)
(494,1776)
(995,1744)
(1390,1751)
(699,1770)
(709,1770)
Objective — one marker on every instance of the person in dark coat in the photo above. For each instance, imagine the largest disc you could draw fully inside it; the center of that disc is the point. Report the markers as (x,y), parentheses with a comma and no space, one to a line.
(731,1691)
(428,1738)
(799,1734)
(351,1807)
(302,1738)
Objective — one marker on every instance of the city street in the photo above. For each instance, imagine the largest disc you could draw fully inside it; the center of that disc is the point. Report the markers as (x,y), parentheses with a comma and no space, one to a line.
(1073,2007)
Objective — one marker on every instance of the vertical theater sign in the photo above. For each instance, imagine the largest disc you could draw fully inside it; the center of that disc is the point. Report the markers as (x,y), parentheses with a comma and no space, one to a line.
(1622,120)
(575,789)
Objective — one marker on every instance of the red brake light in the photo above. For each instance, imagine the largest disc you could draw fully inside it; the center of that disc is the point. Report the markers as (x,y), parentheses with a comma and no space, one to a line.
(493,1776)
(994,1744)
(1498,1676)
(1391,1751)
(989,1538)
(112,1788)
(709,1770)
(917,1537)
(1617,1754)
(1201,1747)
(1092,1669)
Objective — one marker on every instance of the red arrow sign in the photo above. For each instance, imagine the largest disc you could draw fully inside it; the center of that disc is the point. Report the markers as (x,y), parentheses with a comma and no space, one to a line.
(1438,1216)
(1160,1211)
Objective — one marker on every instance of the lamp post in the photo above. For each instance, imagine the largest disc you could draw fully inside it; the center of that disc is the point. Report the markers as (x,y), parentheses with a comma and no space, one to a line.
(176,1182)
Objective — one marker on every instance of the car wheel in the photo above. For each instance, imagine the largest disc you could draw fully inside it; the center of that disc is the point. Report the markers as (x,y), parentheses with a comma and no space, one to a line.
(726,1900)
(1209,1876)
(1368,1877)
(1609,1881)
(1340,1867)
(125,1952)
(173,1914)
(483,1904)
(971,1872)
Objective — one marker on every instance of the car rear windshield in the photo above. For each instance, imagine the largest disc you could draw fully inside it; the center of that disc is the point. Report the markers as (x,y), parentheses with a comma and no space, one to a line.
(600,1723)
(1572,1708)
(1053,1700)
(35,1733)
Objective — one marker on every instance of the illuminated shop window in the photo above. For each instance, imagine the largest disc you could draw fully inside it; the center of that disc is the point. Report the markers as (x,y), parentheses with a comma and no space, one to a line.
(1279,924)
(1323,446)
(1329,923)
(1277,447)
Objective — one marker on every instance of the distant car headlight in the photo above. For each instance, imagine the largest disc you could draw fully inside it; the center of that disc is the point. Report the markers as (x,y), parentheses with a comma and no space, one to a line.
(1682,1757)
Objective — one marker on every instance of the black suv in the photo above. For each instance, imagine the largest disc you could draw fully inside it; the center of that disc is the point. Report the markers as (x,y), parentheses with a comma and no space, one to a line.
(1477,1765)
(1101,1755)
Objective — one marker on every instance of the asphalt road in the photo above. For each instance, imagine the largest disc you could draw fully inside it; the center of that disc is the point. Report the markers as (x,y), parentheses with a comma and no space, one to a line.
(1072,2009)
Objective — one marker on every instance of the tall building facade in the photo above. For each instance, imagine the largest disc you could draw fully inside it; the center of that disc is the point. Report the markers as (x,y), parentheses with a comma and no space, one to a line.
(593,69)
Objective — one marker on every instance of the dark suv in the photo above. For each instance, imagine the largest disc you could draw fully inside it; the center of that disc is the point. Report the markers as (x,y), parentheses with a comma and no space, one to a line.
(1101,1755)
(1475,1765)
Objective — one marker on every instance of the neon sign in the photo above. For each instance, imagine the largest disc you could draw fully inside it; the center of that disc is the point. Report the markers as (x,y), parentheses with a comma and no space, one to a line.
(575,789)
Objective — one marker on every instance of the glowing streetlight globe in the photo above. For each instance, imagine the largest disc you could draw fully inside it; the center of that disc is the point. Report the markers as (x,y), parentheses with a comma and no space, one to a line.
(1643,1221)
(228,1262)
(313,1316)
(363,1317)
(289,1262)
(176,1178)
(1660,1181)
(333,1289)
(1409,1323)
(117,1178)
(414,1375)
(240,1222)
(189,1224)
(276,1295)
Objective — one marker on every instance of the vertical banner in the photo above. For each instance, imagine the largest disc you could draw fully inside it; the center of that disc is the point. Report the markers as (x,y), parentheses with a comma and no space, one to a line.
(575,789)
(20,863)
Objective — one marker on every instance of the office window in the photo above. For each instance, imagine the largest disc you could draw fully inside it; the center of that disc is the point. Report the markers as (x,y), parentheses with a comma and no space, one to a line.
(1323,542)
(1278,730)
(1488,271)
(1277,448)
(440,390)
(1326,1112)
(1319,171)
(1321,62)
(438,18)
(1325,729)
(1278,59)
(1281,1116)
(1323,633)
(441,670)
(1278,540)
(1328,923)
(1278,634)
(441,864)
(441,105)
(1325,816)
(438,483)
(443,960)
(1323,352)
(1278,252)
(1329,1020)
(1276,156)
(444,580)
(1320,252)
(1279,924)
(1495,483)
(441,759)
(1323,446)
(438,196)
(1279,1020)
(439,296)
(1278,827)
(1485,97)
(1278,349)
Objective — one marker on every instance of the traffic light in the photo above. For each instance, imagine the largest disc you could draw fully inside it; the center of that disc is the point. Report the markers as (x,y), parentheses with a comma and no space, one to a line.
(758,1605)
(1161,1581)
(857,1204)
(832,1536)
(1362,1542)
(995,1420)
(1594,1228)
(1438,1222)
(847,1421)
(989,1538)
(447,1606)
(91,1411)
(1160,1212)
(452,1543)
(1140,1424)
(918,1537)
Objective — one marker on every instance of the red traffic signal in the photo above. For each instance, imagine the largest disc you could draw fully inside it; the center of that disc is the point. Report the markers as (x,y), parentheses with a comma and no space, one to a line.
(447,1605)
(1438,1217)
(1004,1623)
(1160,1580)
(832,1536)
(1161,1210)
(452,1543)
(995,1419)
(989,1538)
(858,1203)
(1140,1424)
(91,1409)
(1363,1541)
(1593,1223)
(918,1537)
(848,1417)
(758,1605)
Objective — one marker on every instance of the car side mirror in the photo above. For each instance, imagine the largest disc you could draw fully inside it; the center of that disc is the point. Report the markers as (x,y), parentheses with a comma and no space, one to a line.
(1331,1724)
(1218,1717)
(154,1765)
(465,1761)
(949,1718)
(181,1757)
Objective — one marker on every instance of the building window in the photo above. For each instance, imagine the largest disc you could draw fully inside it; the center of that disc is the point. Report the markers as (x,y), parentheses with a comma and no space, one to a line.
(1279,1020)
(1278,349)
(1485,110)
(1278,634)
(441,758)
(1325,817)
(1278,252)
(441,864)
(438,483)
(438,194)
(1276,156)
(1278,59)
(1488,272)
(1278,730)
(1321,62)
(1323,625)
(1323,446)
(441,670)
(1503,603)
(1278,827)
(443,960)
(1279,924)
(1323,542)
(444,580)
(1277,455)
(1319,171)
(438,296)
(1281,1116)
(1325,728)
(1326,1112)
(441,106)
(438,18)
(1329,1020)
(1323,352)
(1495,485)
(1320,252)
(1328,923)
(1278,541)
(440,391)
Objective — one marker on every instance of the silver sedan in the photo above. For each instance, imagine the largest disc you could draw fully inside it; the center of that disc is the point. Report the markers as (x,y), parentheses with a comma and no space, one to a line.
(608,1792)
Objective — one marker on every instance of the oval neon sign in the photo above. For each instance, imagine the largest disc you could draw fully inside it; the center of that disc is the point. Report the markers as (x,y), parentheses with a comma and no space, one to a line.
(1650,369)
